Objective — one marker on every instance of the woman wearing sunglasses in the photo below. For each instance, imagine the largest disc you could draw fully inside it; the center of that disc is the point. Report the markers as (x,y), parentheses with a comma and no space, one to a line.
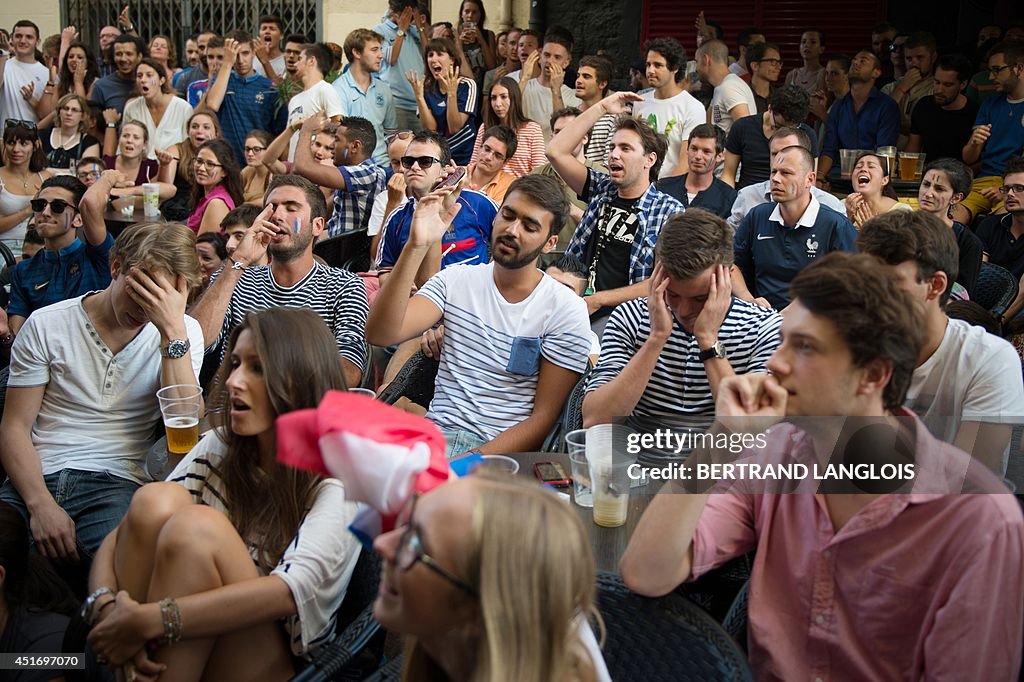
(504,106)
(237,563)
(218,187)
(255,176)
(21,176)
(69,139)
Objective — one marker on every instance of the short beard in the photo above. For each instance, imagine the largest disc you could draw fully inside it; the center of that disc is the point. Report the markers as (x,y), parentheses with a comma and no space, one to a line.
(517,261)
(287,254)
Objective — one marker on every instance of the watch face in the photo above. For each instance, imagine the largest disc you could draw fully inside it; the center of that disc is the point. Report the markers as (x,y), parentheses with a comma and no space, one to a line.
(177,349)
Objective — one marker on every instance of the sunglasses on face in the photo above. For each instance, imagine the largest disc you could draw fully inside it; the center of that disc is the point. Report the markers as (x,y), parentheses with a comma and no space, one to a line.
(424,162)
(19,123)
(57,206)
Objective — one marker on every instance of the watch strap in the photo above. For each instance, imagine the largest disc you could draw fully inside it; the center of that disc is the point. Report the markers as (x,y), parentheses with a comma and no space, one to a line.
(716,351)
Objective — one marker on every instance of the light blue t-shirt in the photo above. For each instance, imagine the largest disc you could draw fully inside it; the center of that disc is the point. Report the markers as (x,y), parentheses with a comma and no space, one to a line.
(376,105)
(409,59)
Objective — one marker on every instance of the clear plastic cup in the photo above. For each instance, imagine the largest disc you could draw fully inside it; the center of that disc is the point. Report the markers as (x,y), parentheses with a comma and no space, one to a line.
(179,406)
(577,444)
(609,473)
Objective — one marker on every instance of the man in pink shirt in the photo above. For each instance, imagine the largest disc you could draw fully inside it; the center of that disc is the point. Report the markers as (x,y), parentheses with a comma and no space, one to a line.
(926,583)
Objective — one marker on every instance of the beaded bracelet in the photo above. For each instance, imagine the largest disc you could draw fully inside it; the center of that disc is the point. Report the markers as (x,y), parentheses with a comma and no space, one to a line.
(171,615)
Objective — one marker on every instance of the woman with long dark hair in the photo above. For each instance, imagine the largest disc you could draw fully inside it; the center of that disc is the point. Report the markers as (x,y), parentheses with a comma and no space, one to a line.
(873,193)
(218,186)
(447,100)
(478,44)
(21,176)
(177,164)
(237,563)
(157,107)
(504,106)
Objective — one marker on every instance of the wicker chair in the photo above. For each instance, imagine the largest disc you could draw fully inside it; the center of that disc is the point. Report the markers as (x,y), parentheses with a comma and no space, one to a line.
(995,290)
(414,381)
(571,419)
(669,638)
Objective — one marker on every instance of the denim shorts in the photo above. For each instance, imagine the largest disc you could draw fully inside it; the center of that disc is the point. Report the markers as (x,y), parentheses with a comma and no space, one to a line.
(95,501)
(460,442)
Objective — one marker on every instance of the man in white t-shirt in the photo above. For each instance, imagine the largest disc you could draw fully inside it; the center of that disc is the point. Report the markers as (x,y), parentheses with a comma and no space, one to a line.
(516,341)
(967,385)
(18,70)
(317,94)
(669,108)
(733,99)
(543,79)
(270,58)
(81,399)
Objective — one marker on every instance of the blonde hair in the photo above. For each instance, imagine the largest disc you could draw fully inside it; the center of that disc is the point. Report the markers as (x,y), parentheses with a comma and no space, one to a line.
(531,564)
(86,122)
(159,246)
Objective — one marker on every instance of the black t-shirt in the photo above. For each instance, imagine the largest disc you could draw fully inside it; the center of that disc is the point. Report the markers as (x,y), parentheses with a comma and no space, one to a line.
(970,257)
(61,157)
(718,198)
(1002,249)
(746,140)
(31,631)
(943,133)
(612,243)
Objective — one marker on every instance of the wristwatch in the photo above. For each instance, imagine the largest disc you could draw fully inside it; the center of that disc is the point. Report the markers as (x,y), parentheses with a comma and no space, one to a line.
(400,33)
(716,351)
(176,348)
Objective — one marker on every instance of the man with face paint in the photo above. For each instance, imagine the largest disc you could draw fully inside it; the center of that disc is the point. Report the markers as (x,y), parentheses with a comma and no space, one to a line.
(355,177)
(66,267)
(514,336)
(663,356)
(293,217)
(778,239)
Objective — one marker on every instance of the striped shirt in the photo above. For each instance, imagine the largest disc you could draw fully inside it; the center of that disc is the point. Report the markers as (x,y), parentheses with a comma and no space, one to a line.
(529,154)
(490,362)
(679,385)
(336,295)
(318,563)
(461,140)
(353,204)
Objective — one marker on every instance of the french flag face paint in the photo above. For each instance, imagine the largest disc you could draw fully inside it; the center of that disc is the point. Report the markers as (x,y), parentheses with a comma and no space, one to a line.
(298,225)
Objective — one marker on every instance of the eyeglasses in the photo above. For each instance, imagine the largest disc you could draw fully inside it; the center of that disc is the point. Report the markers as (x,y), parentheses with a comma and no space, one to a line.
(17,122)
(85,175)
(254,150)
(410,550)
(401,135)
(424,162)
(57,206)
(772,61)
(1016,189)
(72,110)
(996,70)
(203,163)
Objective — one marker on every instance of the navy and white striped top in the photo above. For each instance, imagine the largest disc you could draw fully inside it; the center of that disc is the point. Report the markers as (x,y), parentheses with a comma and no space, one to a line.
(490,361)
(461,140)
(679,384)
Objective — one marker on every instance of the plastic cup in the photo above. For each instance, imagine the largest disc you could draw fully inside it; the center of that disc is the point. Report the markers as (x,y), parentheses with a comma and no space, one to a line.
(577,443)
(609,473)
(911,165)
(128,210)
(501,462)
(179,407)
(363,391)
(151,199)
(847,157)
(888,155)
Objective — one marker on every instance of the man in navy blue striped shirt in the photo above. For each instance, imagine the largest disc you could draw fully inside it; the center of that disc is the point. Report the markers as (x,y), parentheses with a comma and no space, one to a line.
(663,356)
(516,340)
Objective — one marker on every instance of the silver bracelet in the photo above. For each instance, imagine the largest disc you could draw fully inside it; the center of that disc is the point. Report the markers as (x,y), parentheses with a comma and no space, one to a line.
(89,606)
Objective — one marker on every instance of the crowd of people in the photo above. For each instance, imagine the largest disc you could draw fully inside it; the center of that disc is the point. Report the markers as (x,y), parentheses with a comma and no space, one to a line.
(722,239)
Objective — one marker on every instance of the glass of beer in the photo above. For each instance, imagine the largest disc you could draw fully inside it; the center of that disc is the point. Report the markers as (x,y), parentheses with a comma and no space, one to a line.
(911,165)
(179,407)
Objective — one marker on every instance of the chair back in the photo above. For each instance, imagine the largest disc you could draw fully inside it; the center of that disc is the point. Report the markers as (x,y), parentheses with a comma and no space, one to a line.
(349,251)
(414,381)
(995,290)
(669,638)
(570,419)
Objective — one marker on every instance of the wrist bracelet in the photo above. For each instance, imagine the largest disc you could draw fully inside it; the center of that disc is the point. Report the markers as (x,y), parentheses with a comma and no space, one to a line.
(89,606)
(237,264)
(171,615)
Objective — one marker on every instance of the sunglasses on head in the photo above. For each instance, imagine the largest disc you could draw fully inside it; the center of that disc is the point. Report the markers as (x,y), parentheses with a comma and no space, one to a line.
(424,162)
(57,206)
(401,135)
(18,123)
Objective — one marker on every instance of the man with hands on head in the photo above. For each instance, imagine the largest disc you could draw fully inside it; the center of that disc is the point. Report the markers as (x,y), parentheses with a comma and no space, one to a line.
(887,583)
(294,215)
(664,356)
(513,335)
(616,236)
(81,399)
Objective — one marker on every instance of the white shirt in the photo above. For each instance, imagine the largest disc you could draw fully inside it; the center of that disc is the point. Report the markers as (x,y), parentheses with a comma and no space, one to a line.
(537,104)
(380,202)
(673,117)
(760,193)
(16,76)
(321,97)
(318,563)
(99,409)
(972,376)
(490,362)
(173,126)
(277,63)
(731,92)
(806,219)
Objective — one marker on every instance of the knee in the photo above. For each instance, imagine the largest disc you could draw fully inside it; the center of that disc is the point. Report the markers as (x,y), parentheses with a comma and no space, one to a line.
(193,530)
(152,507)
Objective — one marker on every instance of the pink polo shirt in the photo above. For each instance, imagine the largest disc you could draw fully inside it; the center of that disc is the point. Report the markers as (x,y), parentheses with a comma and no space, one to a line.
(913,586)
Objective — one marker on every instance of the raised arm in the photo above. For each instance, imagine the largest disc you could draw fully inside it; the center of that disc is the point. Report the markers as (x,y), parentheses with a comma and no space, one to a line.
(213,98)
(426,115)
(455,118)
(94,203)
(306,165)
(561,147)
(278,149)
